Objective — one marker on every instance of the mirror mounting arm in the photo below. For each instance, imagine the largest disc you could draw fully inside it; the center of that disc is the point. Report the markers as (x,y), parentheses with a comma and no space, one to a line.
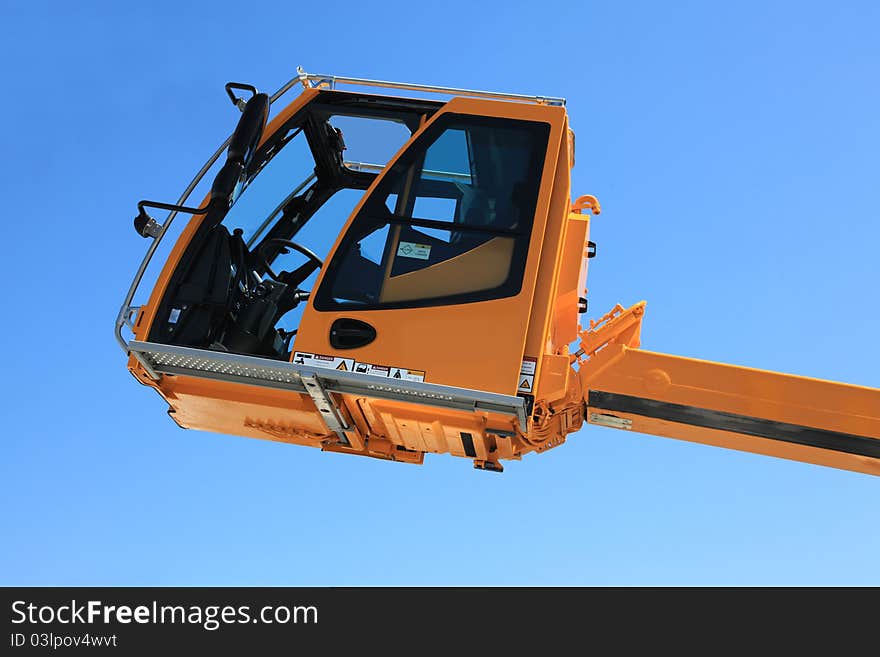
(146,226)
(239,153)
(239,102)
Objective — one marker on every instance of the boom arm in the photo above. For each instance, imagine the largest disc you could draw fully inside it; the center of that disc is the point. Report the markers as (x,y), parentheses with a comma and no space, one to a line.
(792,417)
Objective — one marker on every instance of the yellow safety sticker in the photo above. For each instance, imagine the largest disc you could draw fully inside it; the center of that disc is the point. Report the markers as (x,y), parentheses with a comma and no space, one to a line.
(526,383)
(405,374)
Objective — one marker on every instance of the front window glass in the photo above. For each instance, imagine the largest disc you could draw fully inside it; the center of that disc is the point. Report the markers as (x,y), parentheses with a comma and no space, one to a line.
(242,280)
(318,234)
(450,223)
(286,174)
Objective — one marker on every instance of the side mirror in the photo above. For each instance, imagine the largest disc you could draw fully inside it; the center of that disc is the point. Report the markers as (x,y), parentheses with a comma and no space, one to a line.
(229,180)
(242,147)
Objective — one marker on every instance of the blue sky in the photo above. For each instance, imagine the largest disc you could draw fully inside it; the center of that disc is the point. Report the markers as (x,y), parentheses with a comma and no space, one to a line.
(734,148)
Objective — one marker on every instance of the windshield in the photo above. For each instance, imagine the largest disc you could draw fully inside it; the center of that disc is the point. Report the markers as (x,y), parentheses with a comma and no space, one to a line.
(285,193)
(287,174)
(241,283)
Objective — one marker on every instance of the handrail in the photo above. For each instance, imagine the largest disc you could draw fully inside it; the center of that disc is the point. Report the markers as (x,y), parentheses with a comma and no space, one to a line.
(154,244)
(332,80)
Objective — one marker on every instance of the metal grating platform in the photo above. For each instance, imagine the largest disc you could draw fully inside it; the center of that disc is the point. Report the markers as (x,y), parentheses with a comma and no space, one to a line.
(161,359)
(189,361)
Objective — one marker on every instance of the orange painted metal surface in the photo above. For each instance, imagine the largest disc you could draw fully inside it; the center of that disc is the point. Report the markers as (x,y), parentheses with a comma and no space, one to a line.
(475,345)
(835,408)
(782,415)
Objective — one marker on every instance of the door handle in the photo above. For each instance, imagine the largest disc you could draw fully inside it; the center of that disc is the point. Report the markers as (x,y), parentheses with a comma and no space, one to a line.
(347,333)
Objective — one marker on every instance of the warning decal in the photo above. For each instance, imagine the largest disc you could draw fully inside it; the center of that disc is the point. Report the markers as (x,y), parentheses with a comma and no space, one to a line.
(403,374)
(526,383)
(321,360)
(373,370)
(527,375)
(349,365)
(413,250)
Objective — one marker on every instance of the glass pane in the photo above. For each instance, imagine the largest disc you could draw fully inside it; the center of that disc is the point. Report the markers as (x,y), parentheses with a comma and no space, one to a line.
(372,247)
(447,158)
(286,171)
(435,233)
(433,269)
(420,247)
(368,140)
(438,209)
(358,279)
(485,170)
(457,211)
(321,230)
(391,203)
(318,234)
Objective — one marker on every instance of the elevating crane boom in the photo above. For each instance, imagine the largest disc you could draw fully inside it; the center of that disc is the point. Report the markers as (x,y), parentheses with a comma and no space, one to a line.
(792,417)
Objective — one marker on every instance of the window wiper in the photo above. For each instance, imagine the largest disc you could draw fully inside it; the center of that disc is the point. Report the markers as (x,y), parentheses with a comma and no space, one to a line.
(367,167)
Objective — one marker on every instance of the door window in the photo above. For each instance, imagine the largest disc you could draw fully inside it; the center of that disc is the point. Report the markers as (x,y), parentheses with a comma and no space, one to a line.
(449,223)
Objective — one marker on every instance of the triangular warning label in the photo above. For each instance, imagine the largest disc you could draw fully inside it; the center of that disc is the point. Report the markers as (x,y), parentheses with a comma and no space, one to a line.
(525,384)
(342,367)
(396,375)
